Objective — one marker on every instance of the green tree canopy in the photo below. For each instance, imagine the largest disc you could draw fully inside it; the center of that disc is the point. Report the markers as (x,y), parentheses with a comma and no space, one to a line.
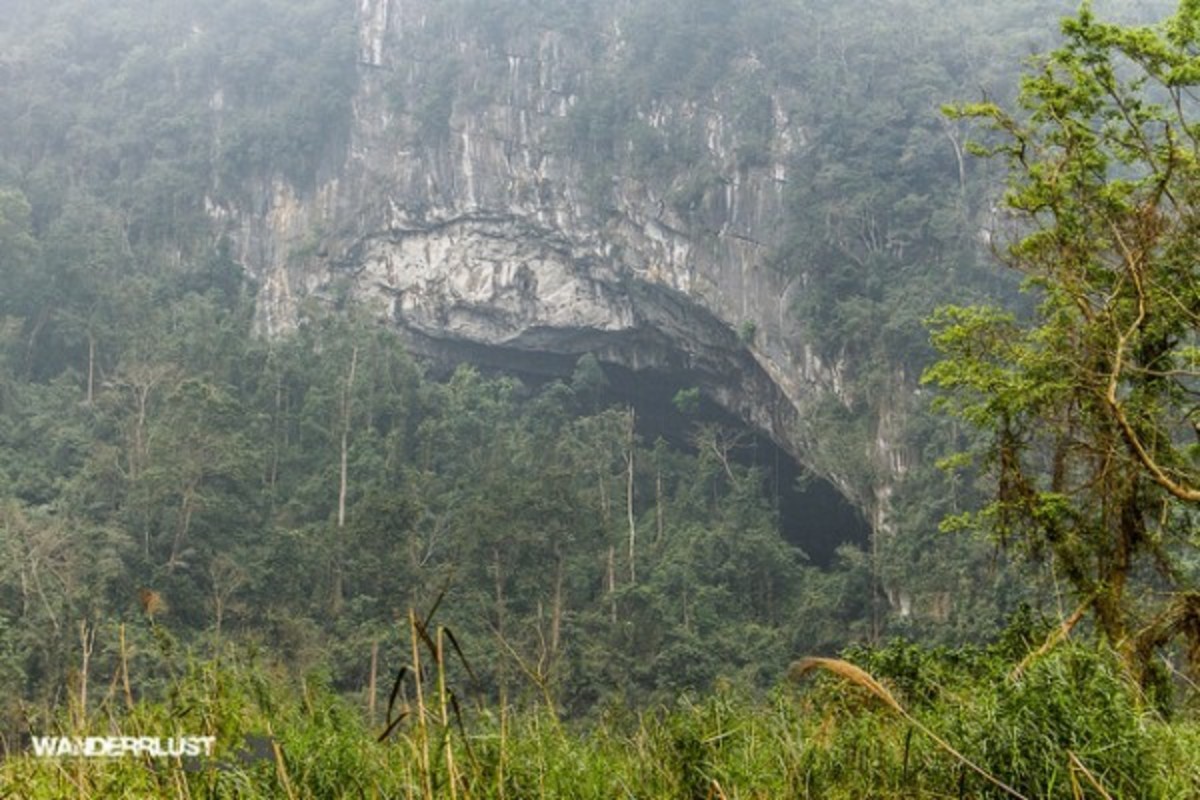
(1092,407)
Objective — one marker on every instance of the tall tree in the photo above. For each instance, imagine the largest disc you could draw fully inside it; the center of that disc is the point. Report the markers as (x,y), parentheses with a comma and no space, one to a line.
(1092,406)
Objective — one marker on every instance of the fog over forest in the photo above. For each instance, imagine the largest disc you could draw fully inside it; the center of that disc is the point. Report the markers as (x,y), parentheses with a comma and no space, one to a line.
(687,398)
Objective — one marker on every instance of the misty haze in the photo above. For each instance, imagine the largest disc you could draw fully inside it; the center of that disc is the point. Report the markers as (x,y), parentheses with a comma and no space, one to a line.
(555,398)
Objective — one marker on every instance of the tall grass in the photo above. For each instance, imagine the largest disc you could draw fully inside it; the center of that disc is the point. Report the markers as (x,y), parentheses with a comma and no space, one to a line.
(899,722)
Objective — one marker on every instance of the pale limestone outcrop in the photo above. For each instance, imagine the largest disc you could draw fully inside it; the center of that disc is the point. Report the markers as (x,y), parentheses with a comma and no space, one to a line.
(479,230)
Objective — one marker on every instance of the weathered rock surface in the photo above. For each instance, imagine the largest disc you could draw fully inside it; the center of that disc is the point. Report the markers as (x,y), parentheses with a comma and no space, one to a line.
(459,212)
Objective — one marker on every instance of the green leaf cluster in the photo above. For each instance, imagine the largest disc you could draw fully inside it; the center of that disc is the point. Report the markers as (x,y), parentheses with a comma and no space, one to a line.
(1092,445)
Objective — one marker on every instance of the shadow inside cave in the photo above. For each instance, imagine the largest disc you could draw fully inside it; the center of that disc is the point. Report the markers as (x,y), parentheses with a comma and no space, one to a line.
(812,514)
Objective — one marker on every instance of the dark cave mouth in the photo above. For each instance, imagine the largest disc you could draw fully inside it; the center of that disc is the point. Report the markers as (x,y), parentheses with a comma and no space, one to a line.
(813,515)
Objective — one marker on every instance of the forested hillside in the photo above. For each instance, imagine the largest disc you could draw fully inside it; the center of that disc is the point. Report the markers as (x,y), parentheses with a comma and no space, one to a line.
(247,472)
(305,490)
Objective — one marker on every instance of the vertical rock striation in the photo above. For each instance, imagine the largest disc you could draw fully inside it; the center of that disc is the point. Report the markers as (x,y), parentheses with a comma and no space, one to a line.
(465,210)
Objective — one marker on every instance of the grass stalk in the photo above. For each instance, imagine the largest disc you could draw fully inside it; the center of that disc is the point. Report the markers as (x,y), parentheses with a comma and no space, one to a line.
(1078,766)
(1057,635)
(444,707)
(862,678)
(422,731)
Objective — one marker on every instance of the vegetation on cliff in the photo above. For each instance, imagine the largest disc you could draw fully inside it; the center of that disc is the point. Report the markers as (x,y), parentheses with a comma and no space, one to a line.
(207,529)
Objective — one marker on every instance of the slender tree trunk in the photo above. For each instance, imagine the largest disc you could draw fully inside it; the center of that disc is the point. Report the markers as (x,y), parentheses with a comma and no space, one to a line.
(37,584)
(24,592)
(87,641)
(1110,605)
(499,592)
(612,581)
(952,135)
(218,613)
(371,682)
(605,511)
(875,587)
(342,482)
(341,518)
(125,669)
(186,507)
(91,379)
(556,615)
(275,446)
(629,457)
(658,504)
(501,667)
(137,457)
(31,344)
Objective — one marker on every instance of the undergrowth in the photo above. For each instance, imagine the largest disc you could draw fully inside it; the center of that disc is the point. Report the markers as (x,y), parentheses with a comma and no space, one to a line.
(893,722)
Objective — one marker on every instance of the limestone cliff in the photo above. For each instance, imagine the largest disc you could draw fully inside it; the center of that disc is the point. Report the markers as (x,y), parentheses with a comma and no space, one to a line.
(459,210)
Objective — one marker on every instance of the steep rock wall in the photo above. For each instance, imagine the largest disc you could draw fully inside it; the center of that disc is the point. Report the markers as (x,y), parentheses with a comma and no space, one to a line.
(462,212)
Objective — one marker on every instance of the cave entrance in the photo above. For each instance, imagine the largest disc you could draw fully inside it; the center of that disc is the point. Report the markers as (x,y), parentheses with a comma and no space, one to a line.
(813,514)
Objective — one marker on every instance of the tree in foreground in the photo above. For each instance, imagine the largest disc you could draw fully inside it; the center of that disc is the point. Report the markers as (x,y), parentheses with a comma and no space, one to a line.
(1091,406)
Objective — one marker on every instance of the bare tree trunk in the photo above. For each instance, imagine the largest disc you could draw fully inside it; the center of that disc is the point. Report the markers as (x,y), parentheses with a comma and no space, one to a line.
(218,613)
(952,134)
(125,670)
(42,317)
(226,578)
(629,457)
(721,448)
(556,615)
(186,507)
(371,682)
(875,587)
(658,504)
(274,475)
(499,592)
(342,482)
(605,511)
(137,457)
(341,518)
(87,641)
(501,667)
(91,382)
(612,581)
(24,592)
(37,584)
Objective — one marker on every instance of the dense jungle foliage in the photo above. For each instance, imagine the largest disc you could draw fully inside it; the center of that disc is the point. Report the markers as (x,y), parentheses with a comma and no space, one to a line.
(208,530)
(151,444)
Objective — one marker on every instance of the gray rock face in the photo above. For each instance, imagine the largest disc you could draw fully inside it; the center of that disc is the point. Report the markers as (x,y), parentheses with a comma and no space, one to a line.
(458,212)
(526,295)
